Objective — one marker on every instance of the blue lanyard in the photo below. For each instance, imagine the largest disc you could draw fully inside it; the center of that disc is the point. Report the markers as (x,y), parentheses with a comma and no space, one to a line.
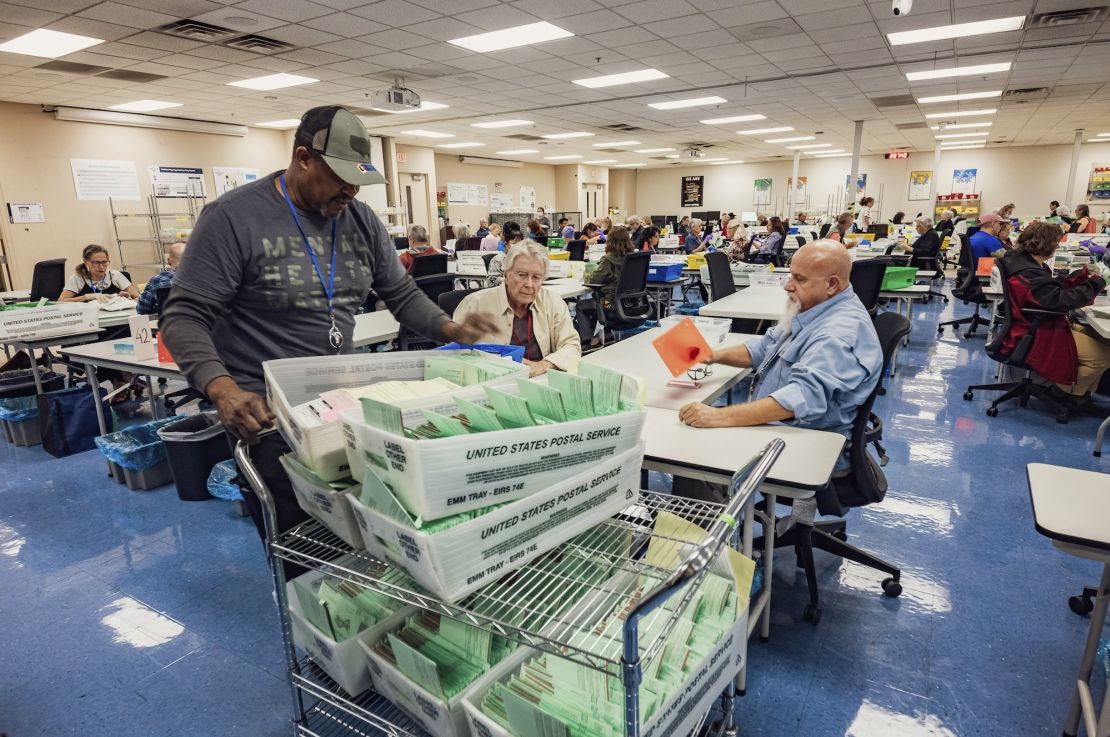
(329,285)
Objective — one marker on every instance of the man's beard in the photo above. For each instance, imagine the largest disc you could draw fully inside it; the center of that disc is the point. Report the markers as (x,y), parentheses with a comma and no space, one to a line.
(786,323)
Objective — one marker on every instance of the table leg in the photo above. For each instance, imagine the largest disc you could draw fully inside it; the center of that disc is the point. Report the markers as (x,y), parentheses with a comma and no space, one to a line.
(1098,443)
(150,393)
(768,564)
(909,317)
(1086,664)
(35,370)
(101,421)
(747,539)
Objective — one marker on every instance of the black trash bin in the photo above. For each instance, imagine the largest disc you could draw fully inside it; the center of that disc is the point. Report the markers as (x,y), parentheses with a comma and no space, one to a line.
(21,383)
(194,444)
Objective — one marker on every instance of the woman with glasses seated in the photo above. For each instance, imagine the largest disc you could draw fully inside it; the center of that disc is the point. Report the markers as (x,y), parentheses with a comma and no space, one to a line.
(94,281)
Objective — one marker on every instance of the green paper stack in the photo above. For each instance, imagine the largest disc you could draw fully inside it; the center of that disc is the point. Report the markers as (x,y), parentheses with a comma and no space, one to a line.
(341,610)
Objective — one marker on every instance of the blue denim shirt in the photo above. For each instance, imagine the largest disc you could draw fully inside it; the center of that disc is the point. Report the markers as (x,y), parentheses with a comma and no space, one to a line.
(148,300)
(825,369)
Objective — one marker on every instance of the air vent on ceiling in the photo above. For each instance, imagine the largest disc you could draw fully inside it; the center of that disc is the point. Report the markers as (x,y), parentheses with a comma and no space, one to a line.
(71,67)
(258,44)
(197,30)
(524,137)
(425,71)
(1073,17)
(129,75)
(611,151)
(622,127)
(910,126)
(660,158)
(1025,93)
(698,144)
(893,101)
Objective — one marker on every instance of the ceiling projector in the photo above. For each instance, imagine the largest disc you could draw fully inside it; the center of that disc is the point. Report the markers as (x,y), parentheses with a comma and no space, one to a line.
(395,99)
(694,153)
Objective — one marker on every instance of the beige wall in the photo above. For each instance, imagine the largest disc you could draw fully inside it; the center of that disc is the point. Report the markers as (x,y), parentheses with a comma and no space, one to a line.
(566,189)
(421,160)
(450,169)
(35,153)
(624,190)
(1028,176)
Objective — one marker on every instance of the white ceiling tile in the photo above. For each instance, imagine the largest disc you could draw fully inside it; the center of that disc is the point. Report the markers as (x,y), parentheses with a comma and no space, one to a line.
(91,27)
(312,57)
(395,40)
(351,48)
(595,22)
(169,44)
(457,6)
(647,11)
(127,15)
(178,8)
(554,9)
(239,20)
(293,11)
(298,35)
(496,18)
(397,13)
(344,24)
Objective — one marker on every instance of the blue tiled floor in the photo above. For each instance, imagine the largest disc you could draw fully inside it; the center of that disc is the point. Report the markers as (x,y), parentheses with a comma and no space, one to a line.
(136,614)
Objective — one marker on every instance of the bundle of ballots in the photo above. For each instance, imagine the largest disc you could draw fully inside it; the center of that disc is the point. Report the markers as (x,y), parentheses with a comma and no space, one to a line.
(499,442)
(307,394)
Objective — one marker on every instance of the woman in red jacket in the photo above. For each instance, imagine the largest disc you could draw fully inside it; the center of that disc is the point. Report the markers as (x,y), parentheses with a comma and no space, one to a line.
(1071,355)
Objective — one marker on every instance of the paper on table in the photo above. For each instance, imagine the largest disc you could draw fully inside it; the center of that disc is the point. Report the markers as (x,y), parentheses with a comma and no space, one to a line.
(543,400)
(681,347)
(513,411)
(421,669)
(577,391)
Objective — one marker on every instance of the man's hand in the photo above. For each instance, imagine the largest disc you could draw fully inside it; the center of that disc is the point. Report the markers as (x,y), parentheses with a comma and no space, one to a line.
(696,414)
(244,413)
(535,368)
(473,328)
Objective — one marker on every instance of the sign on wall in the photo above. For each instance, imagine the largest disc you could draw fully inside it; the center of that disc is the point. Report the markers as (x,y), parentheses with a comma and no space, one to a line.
(26,212)
(500,201)
(860,188)
(230,177)
(693,191)
(920,184)
(799,188)
(99,179)
(896,155)
(177,181)
(528,198)
(963,180)
(762,192)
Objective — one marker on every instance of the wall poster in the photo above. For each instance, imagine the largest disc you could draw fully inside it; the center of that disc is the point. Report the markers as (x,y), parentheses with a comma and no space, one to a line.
(799,189)
(528,198)
(920,184)
(99,179)
(963,180)
(762,192)
(230,177)
(860,188)
(177,181)
(693,191)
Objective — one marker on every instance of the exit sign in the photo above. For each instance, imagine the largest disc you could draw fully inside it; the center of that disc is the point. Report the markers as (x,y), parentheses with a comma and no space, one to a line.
(897,154)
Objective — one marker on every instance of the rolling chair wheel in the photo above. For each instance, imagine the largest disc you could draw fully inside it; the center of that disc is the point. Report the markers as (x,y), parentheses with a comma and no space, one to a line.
(993,412)
(968,396)
(1081,605)
(812,614)
(891,588)
(840,535)
(940,331)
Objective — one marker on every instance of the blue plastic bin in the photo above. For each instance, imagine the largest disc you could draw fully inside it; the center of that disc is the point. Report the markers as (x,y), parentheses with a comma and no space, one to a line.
(140,453)
(664,272)
(515,352)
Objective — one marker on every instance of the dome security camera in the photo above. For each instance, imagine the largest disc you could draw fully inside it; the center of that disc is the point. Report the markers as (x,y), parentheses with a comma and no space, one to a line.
(901,7)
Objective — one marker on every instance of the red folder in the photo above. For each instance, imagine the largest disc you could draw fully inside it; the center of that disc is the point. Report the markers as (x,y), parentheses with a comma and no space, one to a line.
(682,347)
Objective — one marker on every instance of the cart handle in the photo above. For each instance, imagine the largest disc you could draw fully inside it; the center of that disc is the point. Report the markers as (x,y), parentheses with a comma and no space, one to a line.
(743,485)
(254,478)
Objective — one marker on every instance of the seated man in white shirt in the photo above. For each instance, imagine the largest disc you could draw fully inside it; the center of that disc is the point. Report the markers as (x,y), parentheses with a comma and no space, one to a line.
(526,313)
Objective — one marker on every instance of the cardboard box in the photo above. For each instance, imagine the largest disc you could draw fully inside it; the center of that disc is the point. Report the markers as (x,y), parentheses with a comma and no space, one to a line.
(330,507)
(291,382)
(344,661)
(438,717)
(441,477)
(457,561)
(34,323)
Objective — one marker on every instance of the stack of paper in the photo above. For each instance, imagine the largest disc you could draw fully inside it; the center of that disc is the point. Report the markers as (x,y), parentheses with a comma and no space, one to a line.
(440,655)
(341,610)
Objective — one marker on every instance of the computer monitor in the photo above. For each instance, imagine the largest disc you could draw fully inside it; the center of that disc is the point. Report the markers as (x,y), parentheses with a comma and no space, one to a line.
(880,230)
(748,217)
(660,220)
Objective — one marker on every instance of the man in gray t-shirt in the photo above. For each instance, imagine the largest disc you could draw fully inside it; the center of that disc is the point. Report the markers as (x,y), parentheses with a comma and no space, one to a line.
(252,290)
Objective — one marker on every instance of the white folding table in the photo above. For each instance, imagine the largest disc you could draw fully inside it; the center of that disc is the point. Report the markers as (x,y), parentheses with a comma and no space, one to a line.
(374,327)
(753,303)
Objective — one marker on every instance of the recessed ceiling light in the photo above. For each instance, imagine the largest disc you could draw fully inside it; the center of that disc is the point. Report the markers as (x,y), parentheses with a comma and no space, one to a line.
(469,144)
(733,119)
(561,158)
(960,135)
(692,102)
(511,38)
(963,113)
(963,96)
(427,134)
(501,123)
(601,161)
(951,126)
(672,156)
(577,134)
(652,150)
(958,30)
(273,81)
(966,146)
(287,123)
(828,151)
(145,106)
(424,105)
(726,161)
(616,144)
(761,131)
(519,151)
(957,143)
(1100,135)
(610,80)
(716,158)
(791,139)
(959,71)
(48,44)
(803,146)
(623,166)
(830,155)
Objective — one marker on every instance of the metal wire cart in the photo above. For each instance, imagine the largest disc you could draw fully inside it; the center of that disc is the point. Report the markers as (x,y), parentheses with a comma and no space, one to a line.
(532,606)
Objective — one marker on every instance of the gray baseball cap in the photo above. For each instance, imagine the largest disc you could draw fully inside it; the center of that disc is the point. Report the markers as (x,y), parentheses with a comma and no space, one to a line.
(341,139)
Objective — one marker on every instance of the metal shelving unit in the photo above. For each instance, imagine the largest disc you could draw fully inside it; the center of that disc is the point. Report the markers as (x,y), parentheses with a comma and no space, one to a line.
(552,604)
(156,241)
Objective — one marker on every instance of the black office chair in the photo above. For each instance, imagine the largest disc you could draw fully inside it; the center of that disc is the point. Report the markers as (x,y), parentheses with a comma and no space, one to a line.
(867,282)
(967,290)
(631,306)
(931,263)
(864,483)
(435,285)
(577,250)
(400,242)
(1025,388)
(542,240)
(48,279)
(774,258)
(720,275)
(449,301)
(126,275)
(825,228)
(430,265)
